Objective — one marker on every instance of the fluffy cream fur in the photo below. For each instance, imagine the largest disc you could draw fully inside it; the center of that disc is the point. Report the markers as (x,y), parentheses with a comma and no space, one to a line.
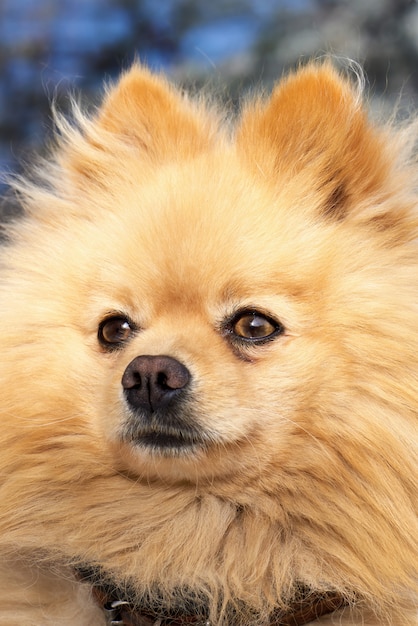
(156,210)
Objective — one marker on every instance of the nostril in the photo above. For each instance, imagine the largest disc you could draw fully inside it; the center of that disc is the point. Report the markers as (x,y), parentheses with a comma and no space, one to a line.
(131,378)
(162,380)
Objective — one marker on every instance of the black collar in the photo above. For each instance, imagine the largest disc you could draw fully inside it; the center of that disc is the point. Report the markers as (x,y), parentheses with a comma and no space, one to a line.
(122,607)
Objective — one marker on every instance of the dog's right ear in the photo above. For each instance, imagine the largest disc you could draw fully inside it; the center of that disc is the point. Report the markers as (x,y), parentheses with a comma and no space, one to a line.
(145,110)
(143,119)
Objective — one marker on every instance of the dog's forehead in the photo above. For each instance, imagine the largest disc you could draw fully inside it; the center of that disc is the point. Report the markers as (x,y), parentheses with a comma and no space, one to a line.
(202,230)
(205,209)
(205,248)
(207,228)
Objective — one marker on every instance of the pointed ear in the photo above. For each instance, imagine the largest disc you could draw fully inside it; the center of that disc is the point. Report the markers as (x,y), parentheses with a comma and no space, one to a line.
(314,128)
(145,110)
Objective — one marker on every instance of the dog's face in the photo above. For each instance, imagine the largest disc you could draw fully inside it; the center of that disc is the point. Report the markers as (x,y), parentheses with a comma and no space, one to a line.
(210,337)
(226,300)
(194,324)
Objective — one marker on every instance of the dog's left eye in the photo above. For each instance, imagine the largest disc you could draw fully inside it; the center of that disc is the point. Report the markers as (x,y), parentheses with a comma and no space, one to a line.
(115,331)
(254,326)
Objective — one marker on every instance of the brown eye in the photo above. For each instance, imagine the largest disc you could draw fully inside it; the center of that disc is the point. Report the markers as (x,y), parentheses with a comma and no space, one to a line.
(115,331)
(254,326)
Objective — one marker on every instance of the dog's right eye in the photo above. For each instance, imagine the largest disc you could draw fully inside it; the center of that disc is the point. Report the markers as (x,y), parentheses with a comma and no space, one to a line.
(115,331)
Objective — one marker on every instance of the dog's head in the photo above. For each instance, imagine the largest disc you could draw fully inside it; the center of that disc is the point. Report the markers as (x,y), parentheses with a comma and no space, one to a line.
(238,297)
(229,299)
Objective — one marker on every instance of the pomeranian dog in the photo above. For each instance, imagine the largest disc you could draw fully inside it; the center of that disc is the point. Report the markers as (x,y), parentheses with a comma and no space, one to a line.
(210,365)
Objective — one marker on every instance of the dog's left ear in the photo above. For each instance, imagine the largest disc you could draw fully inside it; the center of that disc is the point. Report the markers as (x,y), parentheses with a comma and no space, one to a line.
(144,109)
(315,132)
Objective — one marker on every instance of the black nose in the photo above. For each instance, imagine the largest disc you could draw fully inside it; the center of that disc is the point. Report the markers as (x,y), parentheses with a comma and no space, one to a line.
(152,382)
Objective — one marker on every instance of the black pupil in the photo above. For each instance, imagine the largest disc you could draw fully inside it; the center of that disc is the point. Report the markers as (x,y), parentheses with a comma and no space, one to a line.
(257,326)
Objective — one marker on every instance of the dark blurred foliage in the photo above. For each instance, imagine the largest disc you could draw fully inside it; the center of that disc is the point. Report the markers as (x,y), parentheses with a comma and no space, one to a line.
(49,49)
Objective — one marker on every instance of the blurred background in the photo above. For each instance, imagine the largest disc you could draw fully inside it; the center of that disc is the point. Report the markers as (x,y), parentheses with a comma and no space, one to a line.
(52,48)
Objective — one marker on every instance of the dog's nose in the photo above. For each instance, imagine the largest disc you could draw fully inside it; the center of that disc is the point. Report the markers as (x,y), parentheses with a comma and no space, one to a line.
(152,382)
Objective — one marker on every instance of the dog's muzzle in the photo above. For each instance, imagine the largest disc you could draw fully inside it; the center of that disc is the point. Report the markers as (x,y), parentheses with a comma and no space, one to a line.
(160,419)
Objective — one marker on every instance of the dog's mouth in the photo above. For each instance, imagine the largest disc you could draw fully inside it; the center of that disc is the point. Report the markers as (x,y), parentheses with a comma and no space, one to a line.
(155,436)
(168,444)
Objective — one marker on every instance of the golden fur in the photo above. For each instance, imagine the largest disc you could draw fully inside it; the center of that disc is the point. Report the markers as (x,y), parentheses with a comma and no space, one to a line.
(157,210)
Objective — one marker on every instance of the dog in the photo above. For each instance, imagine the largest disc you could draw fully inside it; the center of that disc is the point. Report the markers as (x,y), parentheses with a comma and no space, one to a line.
(209,363)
